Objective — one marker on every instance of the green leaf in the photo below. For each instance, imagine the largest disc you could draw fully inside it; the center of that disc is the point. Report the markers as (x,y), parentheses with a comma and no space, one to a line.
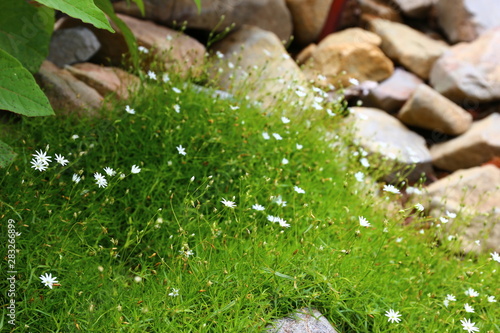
(25,32)
(19,91)
(140,5)
(198,5)
(7,155)
(107,8)
(85,10)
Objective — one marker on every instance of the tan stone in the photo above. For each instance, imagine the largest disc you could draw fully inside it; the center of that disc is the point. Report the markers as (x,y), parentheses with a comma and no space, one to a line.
(65,92)
(409,47)
(305,54)
(352,53)
(478,145)
(377,8)
(106,80)
(309,17)
(261,53)
(427,109)
(465,20)
(216,15)
(469,73)
(474,195)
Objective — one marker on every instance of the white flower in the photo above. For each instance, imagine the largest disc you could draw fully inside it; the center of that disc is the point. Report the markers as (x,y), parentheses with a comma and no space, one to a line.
(176,90)
(100,180)
(359,176)
(128,109)
(300,93)
(230,65)
(285,120)
(174,293)
(279,201)
(48,280)
(468,308)
(283,223)
(177,108)
(393,316)
(166,78)
(363,222)
(265,135)
(277,136)
(399,239)
(478,242)
(419,207)
(181,150)
(469,326)
(330,113)
(42,157)
(471,293)
(284,161)
(135,169)
(122,176)
(273,219)
(443,219)
(364,162)
(142,49)
(451,297)
(317,106)
(299,147)
(413,190)
(109,171)
(61,160)
(235,107)
(152,75)
(491,299)
(76,178)
(219,55)
(391,189)
(75,136)
(354,81)
(451,215)
(186,253)
(227,203)
(298,190)
(39,165)
(446,302)
(495,256)
(258,207)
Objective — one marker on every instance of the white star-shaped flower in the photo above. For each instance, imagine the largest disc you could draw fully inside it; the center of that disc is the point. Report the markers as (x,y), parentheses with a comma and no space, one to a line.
(48,280)
(363,222)
(393,316)
(227,203)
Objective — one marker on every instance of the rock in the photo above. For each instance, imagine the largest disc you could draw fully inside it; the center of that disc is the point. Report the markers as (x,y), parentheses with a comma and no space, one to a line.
(175,49)
(472,194)
(305,54)
(352,53)
(106,80)
(392,93)
(69,46)
(65,92)
(308,18)
(469,73)
(416,8)
(427,109)
(382,134)
(260,52)
(411,48)
(377,8)
(303,320)
(469,19)
(271,15)
(478,145)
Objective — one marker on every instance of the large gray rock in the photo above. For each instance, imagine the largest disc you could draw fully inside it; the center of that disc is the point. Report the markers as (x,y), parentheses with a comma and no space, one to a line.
(308,17)
(271,15)
(470,72)
(478,145)
(427,109)
(65,92)
(69,46)
(465,20)
(303,320)
(411,48)
(474,195)
(384,135)
(392,93)
(261,53)
(351,53)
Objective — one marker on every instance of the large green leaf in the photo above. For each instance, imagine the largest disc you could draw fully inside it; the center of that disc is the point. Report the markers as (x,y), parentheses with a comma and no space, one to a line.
(85,10)
(140,5)
(7,155)
(107,8)
(19,92)
(25,32)
(198,5)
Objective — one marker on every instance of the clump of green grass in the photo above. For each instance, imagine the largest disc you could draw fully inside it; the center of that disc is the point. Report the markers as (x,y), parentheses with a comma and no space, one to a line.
(235,218)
